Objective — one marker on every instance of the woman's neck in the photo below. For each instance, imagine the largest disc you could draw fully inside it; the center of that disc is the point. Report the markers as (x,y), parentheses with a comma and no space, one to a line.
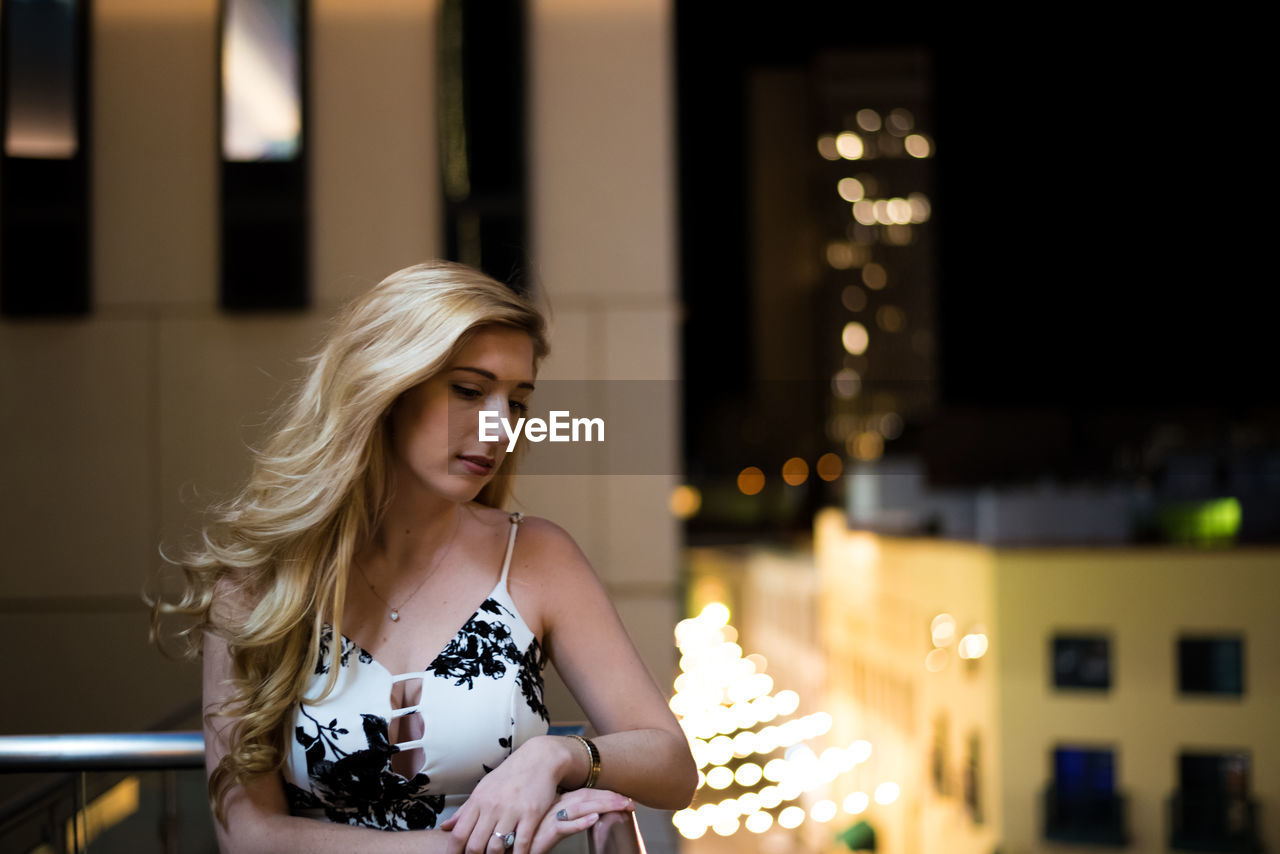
(413,532)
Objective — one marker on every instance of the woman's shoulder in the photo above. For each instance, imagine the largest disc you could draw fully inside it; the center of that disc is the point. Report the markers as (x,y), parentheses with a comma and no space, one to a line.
(545,554)
(547,540)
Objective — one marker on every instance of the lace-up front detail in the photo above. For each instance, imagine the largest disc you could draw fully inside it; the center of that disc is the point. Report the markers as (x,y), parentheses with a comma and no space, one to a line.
(476,701)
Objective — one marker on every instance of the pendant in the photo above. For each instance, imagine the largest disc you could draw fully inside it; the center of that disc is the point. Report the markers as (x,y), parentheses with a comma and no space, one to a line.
(395,615)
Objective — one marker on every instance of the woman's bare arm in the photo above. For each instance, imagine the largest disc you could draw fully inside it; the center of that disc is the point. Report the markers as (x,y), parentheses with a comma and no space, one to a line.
(643,752)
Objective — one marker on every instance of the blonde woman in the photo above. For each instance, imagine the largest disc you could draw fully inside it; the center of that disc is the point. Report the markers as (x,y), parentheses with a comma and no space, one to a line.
(374,625)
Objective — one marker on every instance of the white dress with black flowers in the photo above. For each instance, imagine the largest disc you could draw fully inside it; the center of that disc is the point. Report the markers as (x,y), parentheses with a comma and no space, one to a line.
(481,699)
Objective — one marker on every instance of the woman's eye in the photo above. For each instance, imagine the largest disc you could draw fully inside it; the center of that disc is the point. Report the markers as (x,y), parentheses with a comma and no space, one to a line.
(466,393)
(519,406)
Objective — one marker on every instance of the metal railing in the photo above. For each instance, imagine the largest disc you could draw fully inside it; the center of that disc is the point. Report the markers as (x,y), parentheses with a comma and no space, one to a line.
(1213,821)
(1085,818)
(118,751)
(41,819)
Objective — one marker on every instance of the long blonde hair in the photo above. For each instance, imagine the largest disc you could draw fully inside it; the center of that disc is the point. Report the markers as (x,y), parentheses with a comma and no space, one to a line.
(283,546)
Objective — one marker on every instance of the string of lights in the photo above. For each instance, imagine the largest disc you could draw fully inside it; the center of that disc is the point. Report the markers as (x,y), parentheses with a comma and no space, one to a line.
(720,697)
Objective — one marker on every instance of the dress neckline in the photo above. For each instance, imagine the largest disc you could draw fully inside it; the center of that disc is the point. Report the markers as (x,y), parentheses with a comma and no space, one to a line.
(515,518)
(497,590)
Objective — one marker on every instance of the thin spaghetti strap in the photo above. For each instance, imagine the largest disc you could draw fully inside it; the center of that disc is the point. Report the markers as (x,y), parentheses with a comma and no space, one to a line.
(511,546)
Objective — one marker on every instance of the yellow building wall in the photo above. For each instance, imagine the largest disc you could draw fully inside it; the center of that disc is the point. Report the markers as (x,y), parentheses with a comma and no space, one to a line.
(879,596)
(874,599)
(1143,598)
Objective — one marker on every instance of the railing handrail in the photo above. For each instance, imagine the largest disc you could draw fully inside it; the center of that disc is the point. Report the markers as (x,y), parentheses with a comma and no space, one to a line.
(138,751)
(112,751)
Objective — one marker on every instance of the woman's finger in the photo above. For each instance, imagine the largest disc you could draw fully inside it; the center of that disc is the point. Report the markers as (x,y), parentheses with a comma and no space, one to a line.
(525,830)
(496,838)
(464,822)
(572,804)
(552,830)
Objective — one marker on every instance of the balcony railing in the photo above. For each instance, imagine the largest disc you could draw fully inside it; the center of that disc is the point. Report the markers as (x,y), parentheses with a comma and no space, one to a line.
(142,792)
(1084,818)
(1213,822)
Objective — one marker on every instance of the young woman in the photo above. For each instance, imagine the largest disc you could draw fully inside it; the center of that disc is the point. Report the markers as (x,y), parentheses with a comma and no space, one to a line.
(374,625)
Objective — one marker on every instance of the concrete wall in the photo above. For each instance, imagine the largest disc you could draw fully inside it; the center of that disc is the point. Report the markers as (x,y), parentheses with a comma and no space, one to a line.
(117,428)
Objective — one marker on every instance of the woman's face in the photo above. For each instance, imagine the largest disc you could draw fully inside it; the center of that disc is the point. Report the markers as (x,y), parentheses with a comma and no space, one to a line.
(435,426)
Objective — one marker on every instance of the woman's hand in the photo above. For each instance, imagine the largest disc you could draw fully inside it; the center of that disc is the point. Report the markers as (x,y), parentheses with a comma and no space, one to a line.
(513,798)
(575,812)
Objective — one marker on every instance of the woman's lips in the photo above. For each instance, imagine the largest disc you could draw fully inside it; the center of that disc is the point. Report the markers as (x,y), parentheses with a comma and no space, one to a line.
(476,465)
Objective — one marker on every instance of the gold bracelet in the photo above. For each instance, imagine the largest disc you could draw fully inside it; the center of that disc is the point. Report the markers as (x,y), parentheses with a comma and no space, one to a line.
(593,761)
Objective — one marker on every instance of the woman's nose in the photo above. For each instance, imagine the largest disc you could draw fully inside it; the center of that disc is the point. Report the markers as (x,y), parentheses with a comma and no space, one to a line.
(498,403)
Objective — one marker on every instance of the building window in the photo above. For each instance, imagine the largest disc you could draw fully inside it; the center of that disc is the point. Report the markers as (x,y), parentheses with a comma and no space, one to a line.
(265,216)
(938,763)
(973,779)
(1212,810)
(1082,662)
(1211,665)
(45,148)
(1081,804)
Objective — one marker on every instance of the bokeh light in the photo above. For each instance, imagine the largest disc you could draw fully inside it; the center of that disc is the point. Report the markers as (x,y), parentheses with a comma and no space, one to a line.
(839,255)
(918,146)
(865,445)
(685,501)
(851,189)
(890,318)
(750,480)
(887,793)
(854,338)
(856,803)
(829,466)
(943,630)
(900,121)
(791,817)
(795,471)
(874,276)
(936,660)
(850,146)
(827,147)
(853,298)
(868,120)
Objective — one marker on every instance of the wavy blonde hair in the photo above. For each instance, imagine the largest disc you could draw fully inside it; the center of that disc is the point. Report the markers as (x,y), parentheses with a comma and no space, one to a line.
(283,546)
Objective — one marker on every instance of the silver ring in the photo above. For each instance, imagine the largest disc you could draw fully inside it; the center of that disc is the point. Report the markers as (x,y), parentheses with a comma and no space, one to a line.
(508,839)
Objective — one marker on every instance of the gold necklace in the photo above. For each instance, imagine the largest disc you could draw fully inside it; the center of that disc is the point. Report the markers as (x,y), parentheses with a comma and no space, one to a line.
(394,614)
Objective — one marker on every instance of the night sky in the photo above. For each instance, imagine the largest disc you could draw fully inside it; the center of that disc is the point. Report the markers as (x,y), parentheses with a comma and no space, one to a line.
(1101,208)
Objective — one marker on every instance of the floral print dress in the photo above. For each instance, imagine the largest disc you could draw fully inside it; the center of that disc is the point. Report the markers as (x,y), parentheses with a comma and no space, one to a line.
(481,698)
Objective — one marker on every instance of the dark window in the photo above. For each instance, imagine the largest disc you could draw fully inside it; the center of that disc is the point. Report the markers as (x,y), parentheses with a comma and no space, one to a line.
(264,145)
(1084,771)
(1211,665)
(1082,661)
(939,757)
(1212,810)
(1081,805)
(973,779)
(44,157)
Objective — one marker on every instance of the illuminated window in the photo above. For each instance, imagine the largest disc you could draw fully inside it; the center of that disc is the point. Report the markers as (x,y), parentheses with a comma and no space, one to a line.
(264,218)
